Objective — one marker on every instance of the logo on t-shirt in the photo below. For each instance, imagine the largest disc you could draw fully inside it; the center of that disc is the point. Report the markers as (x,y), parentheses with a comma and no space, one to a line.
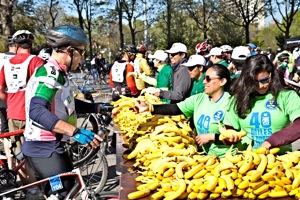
(271,104)
(218,115)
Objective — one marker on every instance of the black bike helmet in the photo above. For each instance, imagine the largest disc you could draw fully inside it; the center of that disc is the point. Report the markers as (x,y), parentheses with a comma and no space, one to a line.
(62,36)
(23,36)
(283,57)
(130,48)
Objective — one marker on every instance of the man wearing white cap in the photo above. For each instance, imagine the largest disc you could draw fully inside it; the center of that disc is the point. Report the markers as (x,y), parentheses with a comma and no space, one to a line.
(239,55)
(163,81)
(182,83)
(196,66)
(215,56)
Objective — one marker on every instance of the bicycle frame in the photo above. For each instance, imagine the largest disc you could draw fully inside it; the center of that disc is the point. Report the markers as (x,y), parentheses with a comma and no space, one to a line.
(79,186)
(82,88)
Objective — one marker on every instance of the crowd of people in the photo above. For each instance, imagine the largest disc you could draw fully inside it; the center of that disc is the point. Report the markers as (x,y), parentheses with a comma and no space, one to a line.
(243,87)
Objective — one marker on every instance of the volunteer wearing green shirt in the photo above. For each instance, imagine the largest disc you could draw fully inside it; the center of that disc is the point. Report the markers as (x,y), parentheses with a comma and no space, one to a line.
(207,109)
(163,80)
(263,105)
(196,66)
(215,56)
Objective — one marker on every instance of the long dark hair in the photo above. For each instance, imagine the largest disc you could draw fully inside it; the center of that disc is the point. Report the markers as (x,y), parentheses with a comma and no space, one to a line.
(244,89)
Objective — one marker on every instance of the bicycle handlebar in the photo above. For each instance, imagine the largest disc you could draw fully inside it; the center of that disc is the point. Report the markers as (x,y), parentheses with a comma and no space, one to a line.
(8,134)
(106,107)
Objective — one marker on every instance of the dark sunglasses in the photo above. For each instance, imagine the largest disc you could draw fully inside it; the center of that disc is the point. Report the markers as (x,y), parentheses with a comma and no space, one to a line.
(80,51)
(264,80)
(173,54)
(208,78)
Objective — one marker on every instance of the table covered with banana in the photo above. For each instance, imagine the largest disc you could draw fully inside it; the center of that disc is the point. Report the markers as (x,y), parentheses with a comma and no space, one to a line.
(169,166)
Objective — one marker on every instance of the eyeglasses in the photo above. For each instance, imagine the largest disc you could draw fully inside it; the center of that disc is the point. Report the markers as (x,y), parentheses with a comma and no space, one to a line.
(208,78)
(264,80)
(173,54)
(80,51)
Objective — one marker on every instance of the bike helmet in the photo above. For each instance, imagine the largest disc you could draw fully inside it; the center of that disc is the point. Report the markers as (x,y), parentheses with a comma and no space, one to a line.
(283,56)
(45,53)
(209,41)
(201,47)
(142,49)
(62,36)
(130,48)
(23,36)
(226,48)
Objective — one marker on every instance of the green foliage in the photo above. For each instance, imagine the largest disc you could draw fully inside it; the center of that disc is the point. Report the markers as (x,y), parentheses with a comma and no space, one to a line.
(267,37)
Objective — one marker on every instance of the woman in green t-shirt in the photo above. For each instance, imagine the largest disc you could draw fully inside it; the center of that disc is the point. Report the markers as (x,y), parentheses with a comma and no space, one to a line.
(207,109)
(263,105)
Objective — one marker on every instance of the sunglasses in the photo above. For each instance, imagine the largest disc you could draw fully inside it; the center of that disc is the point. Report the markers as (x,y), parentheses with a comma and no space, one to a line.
(264,80)
(208,78)
(80,51)
(173,54)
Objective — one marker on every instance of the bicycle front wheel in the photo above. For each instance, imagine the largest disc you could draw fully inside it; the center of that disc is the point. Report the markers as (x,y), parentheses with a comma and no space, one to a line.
(95,173)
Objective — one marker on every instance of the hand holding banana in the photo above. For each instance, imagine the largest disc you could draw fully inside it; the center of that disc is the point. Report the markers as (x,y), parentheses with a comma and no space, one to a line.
(230,134)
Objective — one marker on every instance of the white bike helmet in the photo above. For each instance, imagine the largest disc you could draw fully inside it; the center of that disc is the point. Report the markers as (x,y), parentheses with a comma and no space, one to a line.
(226,48)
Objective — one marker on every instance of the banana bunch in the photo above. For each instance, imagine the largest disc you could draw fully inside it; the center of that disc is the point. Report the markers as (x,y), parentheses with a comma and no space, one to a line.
(150,99)
(173,172)
(227,133)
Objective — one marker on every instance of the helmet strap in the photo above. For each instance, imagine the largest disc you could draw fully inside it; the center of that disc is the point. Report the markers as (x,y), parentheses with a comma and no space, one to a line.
(71,54)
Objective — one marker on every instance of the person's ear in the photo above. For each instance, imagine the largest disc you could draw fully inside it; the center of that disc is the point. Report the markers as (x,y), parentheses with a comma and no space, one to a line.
(223,81)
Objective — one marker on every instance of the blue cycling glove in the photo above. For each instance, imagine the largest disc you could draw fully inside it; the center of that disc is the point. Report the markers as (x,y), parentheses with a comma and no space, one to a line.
(83,136)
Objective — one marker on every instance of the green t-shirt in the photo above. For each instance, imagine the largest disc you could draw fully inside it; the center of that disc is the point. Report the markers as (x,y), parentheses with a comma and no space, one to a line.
(164,79)
(206,115)
(224,63)
(266,117)
(198,86)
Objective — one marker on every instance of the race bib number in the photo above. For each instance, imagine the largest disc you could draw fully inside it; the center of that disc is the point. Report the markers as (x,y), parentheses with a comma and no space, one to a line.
(55,183)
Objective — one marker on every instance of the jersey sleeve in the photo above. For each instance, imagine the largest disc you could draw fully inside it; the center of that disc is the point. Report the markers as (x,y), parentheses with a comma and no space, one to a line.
(145,68)
(187,106)
(130,80)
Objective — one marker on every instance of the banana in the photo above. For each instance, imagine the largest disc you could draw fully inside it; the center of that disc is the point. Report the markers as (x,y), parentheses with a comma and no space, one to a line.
(261,189)
(222,167)
(256,185)
(212,182)
(287,188)
(261,150)
(270,176)
(244,184)
(226,194)
(251,196)
(139,194)
(263,163)
(255,176)
(239,192)
(234,159)
(175,152)
(294,191)
(202,195)
(169,172)
(247,163)
(179,169)
(278,194)
(211,167)
(158,195)
(274,150)
(229,182)
(296,182)
(200,174)
(192,195)
(214,195)
(179,191)
(193,171)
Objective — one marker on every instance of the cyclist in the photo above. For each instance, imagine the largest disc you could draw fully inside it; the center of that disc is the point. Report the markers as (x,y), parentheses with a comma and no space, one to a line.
(141,66)
(50,109)
(13,82)
(120,83)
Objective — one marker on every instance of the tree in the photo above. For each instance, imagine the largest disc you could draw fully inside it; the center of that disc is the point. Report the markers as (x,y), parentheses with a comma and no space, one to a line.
(287,11)
(6,15)
(248,10)
(201,11)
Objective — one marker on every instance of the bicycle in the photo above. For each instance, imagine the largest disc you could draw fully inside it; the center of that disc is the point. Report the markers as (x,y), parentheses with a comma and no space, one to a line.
(56,184)
(92,162)
(83,84)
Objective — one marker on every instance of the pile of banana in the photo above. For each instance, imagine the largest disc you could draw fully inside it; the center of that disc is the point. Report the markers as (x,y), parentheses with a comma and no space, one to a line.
(170,167)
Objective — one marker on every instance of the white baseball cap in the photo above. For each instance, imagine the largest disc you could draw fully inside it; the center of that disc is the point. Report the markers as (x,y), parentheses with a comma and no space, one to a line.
(240,53)
(195,60)
(177,47)
(216,51)
(159,55)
